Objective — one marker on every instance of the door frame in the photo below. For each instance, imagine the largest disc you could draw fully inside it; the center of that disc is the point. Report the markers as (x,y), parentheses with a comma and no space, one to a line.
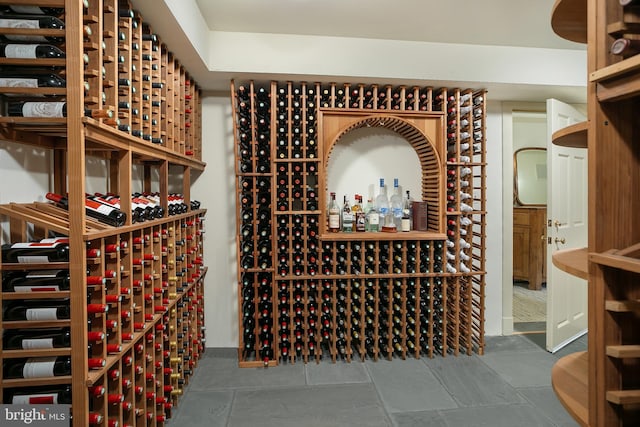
(508,108)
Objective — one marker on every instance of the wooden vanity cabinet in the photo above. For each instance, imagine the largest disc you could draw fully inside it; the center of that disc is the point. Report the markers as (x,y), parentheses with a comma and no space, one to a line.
(529,245)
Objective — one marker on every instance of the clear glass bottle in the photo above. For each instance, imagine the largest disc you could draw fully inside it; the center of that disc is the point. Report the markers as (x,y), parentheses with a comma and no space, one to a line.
(372,217)
(382,205)
(407,215)
(346,216)
(396,204)
(334,214)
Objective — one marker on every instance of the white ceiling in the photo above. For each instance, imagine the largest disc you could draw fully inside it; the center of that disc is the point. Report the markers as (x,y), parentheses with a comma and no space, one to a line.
(517,23)
(490,22)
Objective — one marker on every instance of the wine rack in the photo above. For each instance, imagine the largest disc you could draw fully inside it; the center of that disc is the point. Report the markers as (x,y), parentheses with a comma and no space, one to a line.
(132,302)
(602,386)
(144,290)
(307,294)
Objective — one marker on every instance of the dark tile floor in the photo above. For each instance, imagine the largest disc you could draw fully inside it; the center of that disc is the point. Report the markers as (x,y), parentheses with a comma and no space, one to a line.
(508,386)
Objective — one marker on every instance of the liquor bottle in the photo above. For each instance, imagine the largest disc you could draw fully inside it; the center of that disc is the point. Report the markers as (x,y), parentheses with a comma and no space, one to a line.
(382,205)
(407,214)
(37,367)
(28,339)
(358,214)
(372,217)
(346,217)
(396,205)
(100,211)
(334,214)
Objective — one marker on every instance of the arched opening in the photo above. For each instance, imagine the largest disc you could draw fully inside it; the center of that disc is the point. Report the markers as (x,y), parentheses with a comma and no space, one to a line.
(364,155)
(423,132)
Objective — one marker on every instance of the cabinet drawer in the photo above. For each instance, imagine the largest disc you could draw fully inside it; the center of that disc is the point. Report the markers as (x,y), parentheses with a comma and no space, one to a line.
(521,218)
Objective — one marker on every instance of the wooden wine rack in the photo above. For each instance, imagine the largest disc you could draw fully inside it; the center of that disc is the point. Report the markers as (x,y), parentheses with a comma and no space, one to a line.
(117,65)
(601,387)
(304,293)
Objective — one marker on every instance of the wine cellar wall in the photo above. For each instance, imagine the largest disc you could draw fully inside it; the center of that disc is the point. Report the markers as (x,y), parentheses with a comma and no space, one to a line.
(102,294)
(304,293)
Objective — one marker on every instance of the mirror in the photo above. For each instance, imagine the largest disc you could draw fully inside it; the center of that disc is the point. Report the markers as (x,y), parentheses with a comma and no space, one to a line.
(530,176)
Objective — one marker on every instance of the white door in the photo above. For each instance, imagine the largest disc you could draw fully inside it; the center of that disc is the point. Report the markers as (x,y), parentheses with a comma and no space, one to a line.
(567,217)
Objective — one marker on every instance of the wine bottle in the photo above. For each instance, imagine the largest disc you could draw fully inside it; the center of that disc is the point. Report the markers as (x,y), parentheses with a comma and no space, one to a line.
(27,339)
(625,47)
(95,209)
(36,252)
(32,10)
(48,309)
(49,109)
(51,395)
(31,22)
(36,280)
(30,51)
(37,367)
(22,79)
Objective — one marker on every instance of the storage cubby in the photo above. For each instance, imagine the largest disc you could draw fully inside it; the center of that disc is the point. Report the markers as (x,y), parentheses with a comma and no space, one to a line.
(307,294)
(133,297)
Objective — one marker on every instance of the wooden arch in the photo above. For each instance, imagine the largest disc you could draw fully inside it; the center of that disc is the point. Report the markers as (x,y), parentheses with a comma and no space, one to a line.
(425,133)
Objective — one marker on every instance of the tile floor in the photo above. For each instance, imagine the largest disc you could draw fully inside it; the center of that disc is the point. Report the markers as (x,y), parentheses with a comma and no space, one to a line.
(510,386)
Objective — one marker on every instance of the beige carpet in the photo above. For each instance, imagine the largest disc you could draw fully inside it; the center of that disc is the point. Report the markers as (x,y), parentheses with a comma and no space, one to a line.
(528,305)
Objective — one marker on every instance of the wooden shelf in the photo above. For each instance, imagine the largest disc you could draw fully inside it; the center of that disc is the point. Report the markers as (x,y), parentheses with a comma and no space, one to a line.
(34,91)
(574,136)
(622,306)
(613,259)
(572,261)
(399,235)
(50,3)
(28,382)
(569,20)
(617,81)
(623,351)
(624,397)
(44,352)
(569,378)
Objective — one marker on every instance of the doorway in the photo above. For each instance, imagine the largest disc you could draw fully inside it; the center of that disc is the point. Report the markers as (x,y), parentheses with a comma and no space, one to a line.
(529,139)
(524,309)
(566,208)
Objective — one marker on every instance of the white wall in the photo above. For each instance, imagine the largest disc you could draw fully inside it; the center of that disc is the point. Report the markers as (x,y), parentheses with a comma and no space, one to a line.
(215,188)
(494,242)
(529,129)
(26,173)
